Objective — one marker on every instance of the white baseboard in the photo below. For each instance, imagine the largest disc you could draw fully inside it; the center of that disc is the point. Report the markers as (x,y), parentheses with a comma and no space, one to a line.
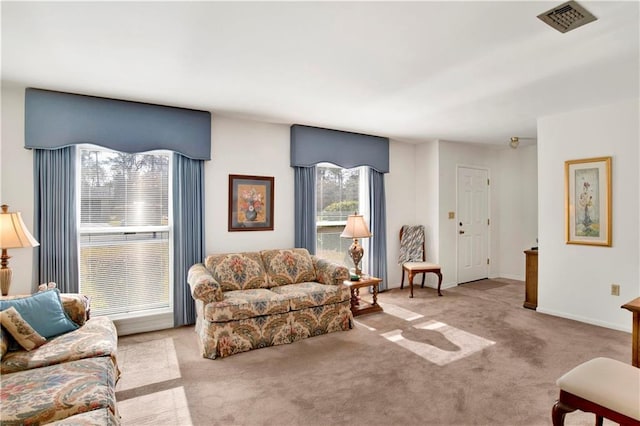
(586,320)
(511,277)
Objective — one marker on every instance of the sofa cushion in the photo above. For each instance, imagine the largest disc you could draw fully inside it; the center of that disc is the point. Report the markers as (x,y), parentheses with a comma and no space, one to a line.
(309,294)
(43,311)
(242,304)
(4,342)
(237,271)
(24,334)
(288,266)
(75,305)
(97,337)
(52,393)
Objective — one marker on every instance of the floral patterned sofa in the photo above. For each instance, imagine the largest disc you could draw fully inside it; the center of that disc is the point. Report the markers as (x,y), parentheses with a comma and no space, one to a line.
(68,380)
(252,300)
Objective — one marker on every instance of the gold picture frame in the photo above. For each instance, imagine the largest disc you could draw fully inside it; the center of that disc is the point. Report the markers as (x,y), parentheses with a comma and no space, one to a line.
(250,203)
(588,201)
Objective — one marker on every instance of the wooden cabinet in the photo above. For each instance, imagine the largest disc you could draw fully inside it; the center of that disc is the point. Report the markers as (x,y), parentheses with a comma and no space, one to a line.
(531,280)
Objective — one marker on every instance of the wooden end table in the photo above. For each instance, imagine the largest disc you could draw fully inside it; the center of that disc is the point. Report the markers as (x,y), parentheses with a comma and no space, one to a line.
(358,306)
(634,306)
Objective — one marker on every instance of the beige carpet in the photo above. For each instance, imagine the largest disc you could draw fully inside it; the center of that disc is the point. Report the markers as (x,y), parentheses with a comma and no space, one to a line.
(472,357)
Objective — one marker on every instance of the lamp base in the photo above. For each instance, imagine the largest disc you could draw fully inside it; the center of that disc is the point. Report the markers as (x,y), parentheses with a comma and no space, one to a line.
(5,280)
(356,251)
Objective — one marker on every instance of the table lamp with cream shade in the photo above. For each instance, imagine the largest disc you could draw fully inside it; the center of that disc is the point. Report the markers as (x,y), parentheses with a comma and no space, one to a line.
(13,234)
(356,228)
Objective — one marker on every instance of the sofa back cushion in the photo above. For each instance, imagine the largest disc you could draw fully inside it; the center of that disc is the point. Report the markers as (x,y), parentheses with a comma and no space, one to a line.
(288,266)
(43,311)
(237,271)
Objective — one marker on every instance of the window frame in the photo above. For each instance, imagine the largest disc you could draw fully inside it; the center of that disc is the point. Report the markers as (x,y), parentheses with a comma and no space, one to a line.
(169,228)
(363,203)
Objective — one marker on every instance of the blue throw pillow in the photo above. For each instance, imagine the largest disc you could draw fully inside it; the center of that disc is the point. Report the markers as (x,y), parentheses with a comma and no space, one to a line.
(43,311)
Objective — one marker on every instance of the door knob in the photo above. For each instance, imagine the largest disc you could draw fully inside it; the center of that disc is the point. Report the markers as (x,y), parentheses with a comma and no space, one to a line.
(461,232)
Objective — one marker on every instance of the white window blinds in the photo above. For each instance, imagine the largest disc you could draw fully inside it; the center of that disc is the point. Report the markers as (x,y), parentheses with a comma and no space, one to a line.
(125,230)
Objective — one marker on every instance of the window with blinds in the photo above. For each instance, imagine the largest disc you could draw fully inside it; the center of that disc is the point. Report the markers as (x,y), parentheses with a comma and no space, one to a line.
(339,193)
(125,231)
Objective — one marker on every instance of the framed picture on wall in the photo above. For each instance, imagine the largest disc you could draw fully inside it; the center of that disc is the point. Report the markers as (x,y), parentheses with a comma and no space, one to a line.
(588,201)
(250,203)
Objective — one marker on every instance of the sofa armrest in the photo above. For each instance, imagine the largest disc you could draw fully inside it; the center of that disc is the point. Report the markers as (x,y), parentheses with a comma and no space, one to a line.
(203,286)
(328,272)
(77,306)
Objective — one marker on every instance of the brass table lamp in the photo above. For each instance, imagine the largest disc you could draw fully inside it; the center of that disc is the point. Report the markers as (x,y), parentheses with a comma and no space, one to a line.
(356,228)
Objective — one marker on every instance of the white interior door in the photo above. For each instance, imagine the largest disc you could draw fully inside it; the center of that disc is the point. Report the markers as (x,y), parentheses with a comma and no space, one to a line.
(473,224)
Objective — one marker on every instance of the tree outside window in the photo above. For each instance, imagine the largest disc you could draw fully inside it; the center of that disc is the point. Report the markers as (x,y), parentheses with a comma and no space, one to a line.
(338,194)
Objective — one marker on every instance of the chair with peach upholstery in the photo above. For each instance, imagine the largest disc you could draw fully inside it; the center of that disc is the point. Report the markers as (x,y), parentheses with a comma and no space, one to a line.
(412,256)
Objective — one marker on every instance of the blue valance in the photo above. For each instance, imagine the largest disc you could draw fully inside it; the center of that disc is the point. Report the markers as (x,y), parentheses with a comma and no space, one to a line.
(56,119)
(313,145)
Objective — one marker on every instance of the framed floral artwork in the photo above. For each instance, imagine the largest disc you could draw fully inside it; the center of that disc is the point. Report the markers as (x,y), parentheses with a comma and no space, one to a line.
(250,203)
(588,201)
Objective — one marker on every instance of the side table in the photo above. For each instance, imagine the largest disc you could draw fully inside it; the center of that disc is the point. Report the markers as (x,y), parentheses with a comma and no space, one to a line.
(634,306)
(358,306)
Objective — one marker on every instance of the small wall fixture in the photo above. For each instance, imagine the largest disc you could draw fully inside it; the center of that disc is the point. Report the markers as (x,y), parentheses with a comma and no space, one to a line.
(515,141)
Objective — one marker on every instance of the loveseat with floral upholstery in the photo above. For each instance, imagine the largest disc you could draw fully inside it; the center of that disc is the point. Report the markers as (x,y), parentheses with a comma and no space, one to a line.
(251,300)
(68,378)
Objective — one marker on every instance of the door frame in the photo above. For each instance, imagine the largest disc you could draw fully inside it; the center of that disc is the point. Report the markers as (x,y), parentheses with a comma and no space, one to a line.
(489,227)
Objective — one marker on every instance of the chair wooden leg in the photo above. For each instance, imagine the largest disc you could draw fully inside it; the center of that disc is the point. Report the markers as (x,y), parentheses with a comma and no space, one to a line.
(402,282)
(558,412)
(423,275)
(439,274)
(411,283)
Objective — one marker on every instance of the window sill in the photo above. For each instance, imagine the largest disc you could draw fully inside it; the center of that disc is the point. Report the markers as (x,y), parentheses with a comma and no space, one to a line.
(142,323)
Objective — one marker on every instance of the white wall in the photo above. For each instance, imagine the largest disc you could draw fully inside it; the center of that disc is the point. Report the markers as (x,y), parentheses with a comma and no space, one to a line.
(427,202)
(247,148)
(574,280)
(515,221)
(16,168)
(400,190)
(512,205)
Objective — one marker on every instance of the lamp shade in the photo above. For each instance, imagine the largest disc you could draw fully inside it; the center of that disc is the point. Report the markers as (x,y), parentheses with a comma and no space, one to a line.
(356,227)
(13,232)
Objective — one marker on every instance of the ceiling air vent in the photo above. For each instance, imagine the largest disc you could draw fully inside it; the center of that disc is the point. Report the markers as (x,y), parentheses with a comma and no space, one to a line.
(568,16)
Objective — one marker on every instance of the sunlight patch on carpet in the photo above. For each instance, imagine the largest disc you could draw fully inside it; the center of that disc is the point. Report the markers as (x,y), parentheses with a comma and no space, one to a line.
(168,407)
(364,325)
(399,312)
(147,363)
(467,343)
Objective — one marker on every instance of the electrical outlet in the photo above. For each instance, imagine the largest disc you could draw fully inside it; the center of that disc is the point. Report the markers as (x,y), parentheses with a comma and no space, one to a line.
(615,289)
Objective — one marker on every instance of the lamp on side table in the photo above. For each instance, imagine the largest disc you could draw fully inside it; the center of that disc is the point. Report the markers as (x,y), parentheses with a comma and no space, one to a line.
(13,234)
(356,228)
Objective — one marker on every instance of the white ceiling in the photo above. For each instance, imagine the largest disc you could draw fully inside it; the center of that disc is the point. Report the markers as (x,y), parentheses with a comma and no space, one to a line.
(413,71)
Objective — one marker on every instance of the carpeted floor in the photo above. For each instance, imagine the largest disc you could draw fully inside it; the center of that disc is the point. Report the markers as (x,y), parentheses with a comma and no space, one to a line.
(472,357)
